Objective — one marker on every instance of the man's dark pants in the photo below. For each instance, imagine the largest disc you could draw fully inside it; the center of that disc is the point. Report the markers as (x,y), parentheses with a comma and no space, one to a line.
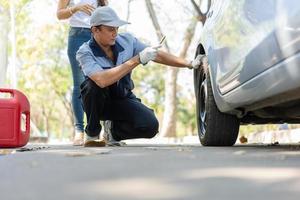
(131,119)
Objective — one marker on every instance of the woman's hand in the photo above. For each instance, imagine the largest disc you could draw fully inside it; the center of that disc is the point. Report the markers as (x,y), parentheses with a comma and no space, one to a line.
(65,12)
(86,8)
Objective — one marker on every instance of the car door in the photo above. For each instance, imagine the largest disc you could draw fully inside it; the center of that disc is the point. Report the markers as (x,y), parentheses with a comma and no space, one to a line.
(237,30)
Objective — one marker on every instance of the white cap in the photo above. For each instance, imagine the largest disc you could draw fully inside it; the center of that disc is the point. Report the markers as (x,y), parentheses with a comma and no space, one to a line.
(105,15)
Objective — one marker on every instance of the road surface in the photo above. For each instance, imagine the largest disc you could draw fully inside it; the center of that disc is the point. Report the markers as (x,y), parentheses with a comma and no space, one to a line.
(51,172)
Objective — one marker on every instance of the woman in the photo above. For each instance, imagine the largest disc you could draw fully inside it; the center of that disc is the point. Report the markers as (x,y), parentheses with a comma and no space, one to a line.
(78,12)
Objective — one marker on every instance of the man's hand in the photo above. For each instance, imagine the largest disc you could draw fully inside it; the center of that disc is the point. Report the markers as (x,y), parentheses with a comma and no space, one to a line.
(198,61)
(148,54)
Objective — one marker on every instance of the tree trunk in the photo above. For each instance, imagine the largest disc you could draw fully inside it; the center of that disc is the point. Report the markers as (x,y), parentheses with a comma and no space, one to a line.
(169,119)
(13,56)
(4,18)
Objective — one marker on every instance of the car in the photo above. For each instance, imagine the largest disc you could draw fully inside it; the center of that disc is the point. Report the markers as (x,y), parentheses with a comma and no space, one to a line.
(252,73)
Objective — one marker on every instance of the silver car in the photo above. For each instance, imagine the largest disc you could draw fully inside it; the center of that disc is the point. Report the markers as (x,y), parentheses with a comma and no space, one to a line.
(253,70)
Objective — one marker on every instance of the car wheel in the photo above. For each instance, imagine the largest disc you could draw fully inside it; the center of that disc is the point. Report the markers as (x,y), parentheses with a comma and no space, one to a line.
(214,127)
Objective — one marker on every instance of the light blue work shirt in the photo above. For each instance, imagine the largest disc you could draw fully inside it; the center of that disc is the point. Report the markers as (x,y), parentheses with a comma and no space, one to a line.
(93,59)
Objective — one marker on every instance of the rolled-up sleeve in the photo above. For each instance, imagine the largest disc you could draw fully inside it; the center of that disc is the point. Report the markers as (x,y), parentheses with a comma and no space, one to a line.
(87,62)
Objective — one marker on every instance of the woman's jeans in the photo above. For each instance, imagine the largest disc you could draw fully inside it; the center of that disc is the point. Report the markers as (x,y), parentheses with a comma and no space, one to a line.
(77,36)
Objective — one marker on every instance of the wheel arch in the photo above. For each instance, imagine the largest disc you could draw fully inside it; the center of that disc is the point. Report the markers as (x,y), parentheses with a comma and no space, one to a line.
(221,104)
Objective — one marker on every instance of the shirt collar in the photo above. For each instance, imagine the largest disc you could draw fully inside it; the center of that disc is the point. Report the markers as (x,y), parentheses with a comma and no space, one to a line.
(98,51)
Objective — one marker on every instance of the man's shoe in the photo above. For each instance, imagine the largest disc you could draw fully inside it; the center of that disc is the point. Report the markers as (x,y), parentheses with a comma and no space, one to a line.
(107,135)
(94,143)
(78,138)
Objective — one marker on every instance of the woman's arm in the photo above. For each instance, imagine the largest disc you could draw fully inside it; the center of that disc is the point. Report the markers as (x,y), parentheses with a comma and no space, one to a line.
(65,12)
(62,11)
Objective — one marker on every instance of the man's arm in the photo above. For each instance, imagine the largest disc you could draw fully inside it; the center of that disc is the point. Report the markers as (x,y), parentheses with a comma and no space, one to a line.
(108,77)
(171,60)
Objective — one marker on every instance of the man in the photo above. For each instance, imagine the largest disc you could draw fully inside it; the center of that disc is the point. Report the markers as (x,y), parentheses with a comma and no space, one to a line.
(107,61)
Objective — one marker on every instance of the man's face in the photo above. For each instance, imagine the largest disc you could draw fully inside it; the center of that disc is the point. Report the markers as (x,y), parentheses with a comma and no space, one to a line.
(106,35)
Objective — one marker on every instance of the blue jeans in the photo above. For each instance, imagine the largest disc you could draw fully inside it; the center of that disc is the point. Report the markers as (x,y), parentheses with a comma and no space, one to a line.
(77,36)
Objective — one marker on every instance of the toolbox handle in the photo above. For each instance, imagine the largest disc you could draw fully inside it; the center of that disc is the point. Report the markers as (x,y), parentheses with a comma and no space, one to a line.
(10,91)
(25,133)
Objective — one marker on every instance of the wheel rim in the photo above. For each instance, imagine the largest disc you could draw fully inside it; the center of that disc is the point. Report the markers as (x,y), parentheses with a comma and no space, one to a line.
(203,101)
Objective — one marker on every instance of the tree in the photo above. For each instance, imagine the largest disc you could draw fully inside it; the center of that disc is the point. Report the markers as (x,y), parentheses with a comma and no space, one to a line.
(43,72)
(4,24)
(169,119)
(45,77)
(201,15)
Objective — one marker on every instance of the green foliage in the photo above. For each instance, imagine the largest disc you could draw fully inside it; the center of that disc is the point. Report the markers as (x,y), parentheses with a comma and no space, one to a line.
(46,78)
(44,74)
(149,85)
(186,117)
(4,4)
(250,129)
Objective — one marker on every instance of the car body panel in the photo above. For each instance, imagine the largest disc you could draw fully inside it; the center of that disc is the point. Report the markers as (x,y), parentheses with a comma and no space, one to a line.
(252,48)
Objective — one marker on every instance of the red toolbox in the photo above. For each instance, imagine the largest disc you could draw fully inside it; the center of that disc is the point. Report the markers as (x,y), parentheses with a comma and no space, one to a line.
(14,118)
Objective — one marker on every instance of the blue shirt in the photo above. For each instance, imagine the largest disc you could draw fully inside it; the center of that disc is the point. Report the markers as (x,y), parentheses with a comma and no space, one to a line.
(92,58)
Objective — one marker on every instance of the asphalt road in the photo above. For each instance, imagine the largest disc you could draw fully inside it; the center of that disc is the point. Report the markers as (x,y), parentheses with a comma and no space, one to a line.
(151,172)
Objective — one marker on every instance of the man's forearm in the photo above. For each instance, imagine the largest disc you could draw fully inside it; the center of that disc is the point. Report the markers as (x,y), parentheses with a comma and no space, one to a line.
(108,77)
(170,60)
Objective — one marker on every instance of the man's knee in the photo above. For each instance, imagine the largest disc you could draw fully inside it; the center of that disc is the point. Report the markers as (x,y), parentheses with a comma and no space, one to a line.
(152,128)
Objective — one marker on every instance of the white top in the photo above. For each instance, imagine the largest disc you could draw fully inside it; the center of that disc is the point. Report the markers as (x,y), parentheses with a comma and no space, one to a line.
(81,19)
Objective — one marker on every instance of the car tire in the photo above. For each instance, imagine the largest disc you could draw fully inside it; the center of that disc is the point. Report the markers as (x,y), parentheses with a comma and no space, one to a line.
(214,127)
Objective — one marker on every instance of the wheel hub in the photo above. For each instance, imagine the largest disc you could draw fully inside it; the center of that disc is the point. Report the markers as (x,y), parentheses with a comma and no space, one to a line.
(203,101)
